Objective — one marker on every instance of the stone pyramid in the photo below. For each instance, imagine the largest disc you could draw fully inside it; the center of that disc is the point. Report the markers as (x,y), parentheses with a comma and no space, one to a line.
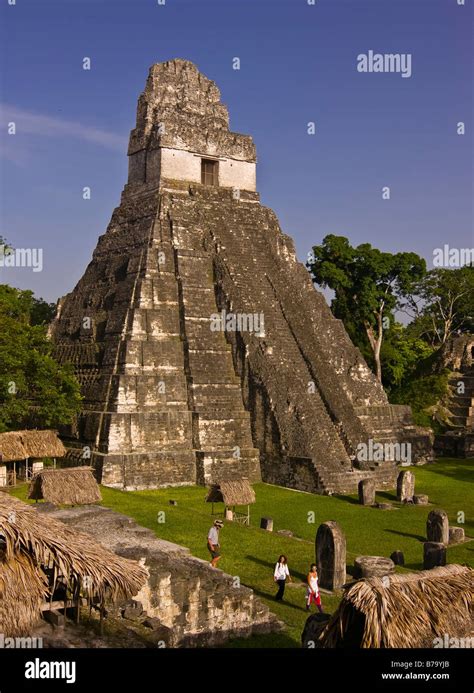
(204,352)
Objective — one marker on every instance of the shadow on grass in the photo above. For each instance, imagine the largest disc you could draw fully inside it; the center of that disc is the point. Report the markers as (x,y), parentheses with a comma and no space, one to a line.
(271,567)
(406,534)
(269,640)
(386,495)
(271,597)
(413,566)
(461,470)
(392,497)
(347,499)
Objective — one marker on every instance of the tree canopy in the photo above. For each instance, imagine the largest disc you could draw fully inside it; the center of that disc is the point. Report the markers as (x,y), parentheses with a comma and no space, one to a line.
(368,284)
(35,391)
(442,304)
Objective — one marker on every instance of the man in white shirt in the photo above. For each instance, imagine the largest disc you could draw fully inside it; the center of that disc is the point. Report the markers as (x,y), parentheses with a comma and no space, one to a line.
(213,542)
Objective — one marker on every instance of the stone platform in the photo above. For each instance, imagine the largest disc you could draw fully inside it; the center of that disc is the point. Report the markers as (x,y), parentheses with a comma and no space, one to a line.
(196,605)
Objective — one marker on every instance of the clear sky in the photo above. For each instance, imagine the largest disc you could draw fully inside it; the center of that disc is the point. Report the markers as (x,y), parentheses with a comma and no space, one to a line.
(298,64)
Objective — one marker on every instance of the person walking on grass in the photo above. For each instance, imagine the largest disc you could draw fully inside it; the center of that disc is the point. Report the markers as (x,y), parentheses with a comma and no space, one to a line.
(280,575)
(213,542)
(312,592)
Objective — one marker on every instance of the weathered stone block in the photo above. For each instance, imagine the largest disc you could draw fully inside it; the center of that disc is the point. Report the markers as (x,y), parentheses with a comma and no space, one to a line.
(367,492)
(398,558)
(285,532)
(434,554)
(55,617)
(405,486)
(456,535)
(437,527)
(331,555)
(373,566)
(133,610)
(421,499)
(266,523)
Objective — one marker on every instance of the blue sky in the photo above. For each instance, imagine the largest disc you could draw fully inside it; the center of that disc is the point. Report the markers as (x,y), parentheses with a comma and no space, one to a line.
(298,64)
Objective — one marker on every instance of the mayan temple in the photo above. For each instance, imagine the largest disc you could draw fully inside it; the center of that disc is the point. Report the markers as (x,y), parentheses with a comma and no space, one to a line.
(203,349)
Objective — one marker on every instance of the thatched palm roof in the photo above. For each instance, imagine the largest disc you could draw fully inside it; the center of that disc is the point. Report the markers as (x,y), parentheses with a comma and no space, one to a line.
(42,444)
(31,543)
(409,612)
(20,445)
(11,447)
(70,486)
(232,493)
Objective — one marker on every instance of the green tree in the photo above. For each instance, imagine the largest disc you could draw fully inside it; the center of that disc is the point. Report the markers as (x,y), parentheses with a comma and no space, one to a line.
(442,304)
(401,354)
(42,312)
(368,284)
(35,391)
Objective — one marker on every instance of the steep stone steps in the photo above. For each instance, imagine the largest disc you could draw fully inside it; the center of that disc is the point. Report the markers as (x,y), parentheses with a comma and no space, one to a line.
(461,400)
(214,390)
(281,350)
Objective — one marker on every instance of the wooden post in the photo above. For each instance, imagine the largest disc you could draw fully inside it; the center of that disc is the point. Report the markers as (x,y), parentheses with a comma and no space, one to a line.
(78,601)
(101,618)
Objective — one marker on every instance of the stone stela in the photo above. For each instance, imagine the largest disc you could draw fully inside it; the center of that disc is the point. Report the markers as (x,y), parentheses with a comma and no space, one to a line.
(167,400)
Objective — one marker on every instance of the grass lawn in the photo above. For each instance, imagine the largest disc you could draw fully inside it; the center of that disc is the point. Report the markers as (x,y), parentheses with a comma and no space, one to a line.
(250,553)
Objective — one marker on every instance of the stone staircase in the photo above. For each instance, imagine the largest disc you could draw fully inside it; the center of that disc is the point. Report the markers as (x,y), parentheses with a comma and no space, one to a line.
(244,267)
(290,368)
(221,425)
(332,482)
(458,440)
(461,400)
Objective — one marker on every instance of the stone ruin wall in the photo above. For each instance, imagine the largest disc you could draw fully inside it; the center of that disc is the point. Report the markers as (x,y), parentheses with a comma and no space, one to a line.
(196,605)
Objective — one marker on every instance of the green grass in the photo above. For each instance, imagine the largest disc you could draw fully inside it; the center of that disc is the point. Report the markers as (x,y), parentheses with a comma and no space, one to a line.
(250,553)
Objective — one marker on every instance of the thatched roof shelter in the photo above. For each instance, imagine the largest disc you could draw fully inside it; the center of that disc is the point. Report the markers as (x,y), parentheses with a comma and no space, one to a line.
(404,611)
(69,486)
(38,554)
(21,445)
(232,493)
(11,447)
(42,444)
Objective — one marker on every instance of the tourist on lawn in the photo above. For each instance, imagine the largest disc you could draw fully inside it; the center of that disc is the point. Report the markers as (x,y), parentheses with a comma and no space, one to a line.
(312,593)
(213,542)
(280,576)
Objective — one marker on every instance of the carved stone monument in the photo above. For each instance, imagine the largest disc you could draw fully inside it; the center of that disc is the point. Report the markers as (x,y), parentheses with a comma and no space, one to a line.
(331,555)
(437,527)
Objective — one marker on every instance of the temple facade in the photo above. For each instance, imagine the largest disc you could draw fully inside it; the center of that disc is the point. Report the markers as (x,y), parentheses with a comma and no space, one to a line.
(168,398)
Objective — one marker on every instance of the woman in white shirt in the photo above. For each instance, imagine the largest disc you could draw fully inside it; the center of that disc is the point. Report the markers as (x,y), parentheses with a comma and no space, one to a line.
(280,576)
(312,591)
